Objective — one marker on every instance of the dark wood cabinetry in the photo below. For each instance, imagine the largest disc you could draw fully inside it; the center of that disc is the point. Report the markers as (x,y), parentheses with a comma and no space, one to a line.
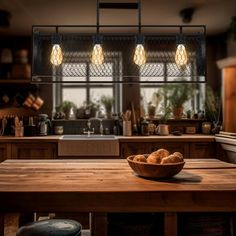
(5,151)
(48,148)
(36,150)
(171,147)
(133,148)
(189,150)
(202,150)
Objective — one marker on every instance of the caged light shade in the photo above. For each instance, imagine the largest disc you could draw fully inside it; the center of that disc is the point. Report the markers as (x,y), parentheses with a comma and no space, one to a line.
(56,55)
(139,55)
(181,57)
(97,55)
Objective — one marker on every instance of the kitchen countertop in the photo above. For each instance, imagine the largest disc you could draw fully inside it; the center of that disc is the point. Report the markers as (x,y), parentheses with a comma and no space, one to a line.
(101,186)
(48,138)
(172,138)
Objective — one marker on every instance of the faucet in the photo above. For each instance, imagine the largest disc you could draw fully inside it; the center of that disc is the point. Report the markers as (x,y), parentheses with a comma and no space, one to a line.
(89,125)
(89,129)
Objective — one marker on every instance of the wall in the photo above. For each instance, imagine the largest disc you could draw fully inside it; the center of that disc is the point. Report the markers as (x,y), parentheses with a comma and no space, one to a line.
(216,49)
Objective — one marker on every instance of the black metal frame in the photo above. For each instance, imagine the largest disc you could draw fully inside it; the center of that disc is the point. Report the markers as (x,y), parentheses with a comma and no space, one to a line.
(128,79)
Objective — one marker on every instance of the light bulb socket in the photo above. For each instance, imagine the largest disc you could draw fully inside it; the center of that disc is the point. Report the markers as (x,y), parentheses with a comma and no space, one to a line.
(97,39)
(180,39)
(56,39)
(139,39)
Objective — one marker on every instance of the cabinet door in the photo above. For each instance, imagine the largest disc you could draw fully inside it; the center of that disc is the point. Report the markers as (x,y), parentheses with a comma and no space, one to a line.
(34,150)
(134,148)
(172,147)
(5,151)
(202,150)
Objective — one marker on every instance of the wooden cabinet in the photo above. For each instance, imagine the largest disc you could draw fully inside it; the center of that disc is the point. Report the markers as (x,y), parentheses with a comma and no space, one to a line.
(46,149)
(37,150)
(5,151)
(202,150)
(127,149)
(133,148)
(172,147)
(189,150)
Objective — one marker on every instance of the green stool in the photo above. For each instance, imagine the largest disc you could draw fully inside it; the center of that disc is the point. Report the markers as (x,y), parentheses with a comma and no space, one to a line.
(51,227)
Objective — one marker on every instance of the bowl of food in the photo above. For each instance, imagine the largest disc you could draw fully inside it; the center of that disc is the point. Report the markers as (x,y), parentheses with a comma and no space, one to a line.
(158,164)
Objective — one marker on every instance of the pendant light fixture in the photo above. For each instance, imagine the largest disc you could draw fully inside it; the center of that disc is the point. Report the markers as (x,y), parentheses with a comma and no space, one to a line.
(97,53)
(56,53)
(181,57)
(70,49)
(139,54)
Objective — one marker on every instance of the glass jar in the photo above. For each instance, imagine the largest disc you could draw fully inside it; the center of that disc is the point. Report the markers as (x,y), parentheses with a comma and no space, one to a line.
(144,128)
(206,127)
(151,128)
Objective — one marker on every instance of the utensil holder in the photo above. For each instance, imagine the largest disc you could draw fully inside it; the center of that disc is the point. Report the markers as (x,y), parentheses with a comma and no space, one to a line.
(127,129)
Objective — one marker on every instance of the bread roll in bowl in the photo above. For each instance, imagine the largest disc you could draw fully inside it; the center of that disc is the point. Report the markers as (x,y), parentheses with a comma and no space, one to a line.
(140,158)
(166,160)
(180,155)
(156,157)
(173,158)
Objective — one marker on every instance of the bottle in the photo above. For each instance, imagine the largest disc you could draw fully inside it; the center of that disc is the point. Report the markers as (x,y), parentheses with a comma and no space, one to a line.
(101,128)
(117,129)
(144,128)
(151,128)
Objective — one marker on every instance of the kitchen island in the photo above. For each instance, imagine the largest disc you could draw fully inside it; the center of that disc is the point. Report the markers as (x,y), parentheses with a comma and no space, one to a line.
(105,186)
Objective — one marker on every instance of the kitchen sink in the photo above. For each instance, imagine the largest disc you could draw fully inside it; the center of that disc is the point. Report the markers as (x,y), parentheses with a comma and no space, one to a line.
(86,137)
(92,146)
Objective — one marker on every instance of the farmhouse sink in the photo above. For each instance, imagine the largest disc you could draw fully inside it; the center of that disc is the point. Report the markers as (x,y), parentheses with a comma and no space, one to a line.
(86,137)
(92,146)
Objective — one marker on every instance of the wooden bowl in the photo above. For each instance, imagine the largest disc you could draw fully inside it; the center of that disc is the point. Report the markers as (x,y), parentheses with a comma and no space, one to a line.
(155,170)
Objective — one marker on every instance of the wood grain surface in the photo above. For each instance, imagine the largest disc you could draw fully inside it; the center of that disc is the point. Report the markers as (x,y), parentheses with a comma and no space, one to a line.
(172,138)
(111,186)
(229,99)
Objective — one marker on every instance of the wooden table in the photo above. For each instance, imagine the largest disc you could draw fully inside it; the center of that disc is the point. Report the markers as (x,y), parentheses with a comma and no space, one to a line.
(103,186)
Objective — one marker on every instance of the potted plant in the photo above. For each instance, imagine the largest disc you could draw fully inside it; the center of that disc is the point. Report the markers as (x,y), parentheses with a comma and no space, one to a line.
(152,105)
(162,128)
(107,102)
(177,95)
(166,111)
(67,107)
(213,108)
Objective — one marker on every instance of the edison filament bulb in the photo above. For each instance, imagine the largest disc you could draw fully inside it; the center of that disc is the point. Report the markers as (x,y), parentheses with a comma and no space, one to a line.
(181,58)
(139,55)
(97,55)
(56,55)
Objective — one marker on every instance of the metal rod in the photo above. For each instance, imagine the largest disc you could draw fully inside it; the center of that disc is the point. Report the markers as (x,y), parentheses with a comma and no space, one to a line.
(97,16)
(105,26)
(115,5)
(139,17)
(181,29)
(119,82)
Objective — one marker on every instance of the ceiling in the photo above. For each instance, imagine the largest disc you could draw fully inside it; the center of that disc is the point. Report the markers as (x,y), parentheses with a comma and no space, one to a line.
(215,14)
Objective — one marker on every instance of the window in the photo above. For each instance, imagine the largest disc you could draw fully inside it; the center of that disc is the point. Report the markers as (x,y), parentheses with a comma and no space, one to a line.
(84,92)
(149,91)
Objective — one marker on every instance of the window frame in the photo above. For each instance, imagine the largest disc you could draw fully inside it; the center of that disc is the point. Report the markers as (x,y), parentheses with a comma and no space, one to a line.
(195,102)
(84,58)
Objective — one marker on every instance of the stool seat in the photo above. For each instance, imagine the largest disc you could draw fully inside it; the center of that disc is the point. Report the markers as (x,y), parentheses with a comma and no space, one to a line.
(51,227)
